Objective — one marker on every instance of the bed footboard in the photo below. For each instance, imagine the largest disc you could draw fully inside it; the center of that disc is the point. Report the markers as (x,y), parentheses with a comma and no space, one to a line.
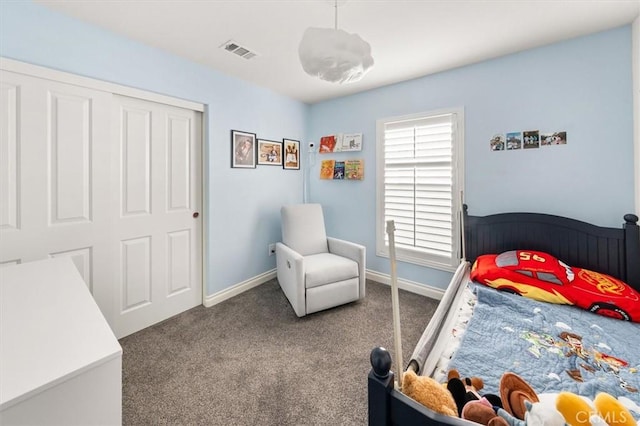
(387,406)
(380,387)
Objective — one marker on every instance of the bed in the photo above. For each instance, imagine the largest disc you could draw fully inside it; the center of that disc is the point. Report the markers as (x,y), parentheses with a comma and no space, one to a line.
(613,251)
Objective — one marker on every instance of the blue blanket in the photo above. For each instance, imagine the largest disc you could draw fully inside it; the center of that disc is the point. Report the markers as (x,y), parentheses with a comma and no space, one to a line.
(552,347)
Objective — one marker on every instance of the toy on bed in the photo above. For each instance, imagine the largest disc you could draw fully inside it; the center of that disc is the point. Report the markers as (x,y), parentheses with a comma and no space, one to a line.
(570,409)
(467,389)
(524,407)
(540,276)
(457,398)
(603,410)
(429,393)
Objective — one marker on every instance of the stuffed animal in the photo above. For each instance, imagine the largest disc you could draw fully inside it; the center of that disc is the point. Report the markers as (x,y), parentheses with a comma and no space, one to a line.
(481,411)
(522,406)
(514,391)
(472,385)
(468,389)
(606,410)
(429,393)
(541,413)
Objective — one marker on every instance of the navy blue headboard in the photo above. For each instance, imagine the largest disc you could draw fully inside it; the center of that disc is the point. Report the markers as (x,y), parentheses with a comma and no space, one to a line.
(613,251)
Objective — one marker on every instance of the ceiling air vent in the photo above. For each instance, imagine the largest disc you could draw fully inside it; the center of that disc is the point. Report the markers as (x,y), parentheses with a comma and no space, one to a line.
(235,48)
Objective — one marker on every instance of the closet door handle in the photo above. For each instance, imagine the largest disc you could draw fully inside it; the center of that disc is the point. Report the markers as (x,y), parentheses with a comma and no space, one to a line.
(195,215)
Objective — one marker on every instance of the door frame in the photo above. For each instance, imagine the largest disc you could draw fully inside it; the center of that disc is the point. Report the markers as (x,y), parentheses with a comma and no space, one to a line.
(25,68)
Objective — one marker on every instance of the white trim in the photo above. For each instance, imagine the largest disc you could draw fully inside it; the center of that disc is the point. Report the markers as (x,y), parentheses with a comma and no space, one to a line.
(204,207)
(458,143)
(379,277)
(92,83)
(410,286)
(239,288)
(635,64)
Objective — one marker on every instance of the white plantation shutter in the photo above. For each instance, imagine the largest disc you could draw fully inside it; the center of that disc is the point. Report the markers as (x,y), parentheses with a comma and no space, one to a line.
(419,187)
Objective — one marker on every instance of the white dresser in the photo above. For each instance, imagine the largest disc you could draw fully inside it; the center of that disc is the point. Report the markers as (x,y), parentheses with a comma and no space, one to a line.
(60,363)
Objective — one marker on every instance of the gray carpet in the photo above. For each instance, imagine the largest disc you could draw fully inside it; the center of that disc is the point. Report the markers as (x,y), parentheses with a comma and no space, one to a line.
(250,361)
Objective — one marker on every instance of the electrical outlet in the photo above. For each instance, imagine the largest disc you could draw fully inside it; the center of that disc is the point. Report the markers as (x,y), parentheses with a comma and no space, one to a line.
(272,249)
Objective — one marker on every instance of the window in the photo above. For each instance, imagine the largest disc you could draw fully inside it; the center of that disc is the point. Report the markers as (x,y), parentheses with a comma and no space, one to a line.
(420,172)
(508,258)
(549,277)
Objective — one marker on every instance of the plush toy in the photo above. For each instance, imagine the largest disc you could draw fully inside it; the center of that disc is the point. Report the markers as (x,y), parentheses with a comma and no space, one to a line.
(481,411)
(606,410)
(465,390)
(522,406)
(576,410)
(514,391)
(472,385)
(429,393)
(542,413)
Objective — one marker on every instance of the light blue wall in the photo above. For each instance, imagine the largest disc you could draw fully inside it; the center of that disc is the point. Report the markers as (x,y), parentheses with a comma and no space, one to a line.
(583,86)
(244,204)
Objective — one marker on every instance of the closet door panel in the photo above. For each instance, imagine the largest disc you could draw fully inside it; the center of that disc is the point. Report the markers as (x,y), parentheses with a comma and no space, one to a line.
(111,182)
(55,177)
(70,145)
(9,157)
(179,155)
(135,161)
(158,177)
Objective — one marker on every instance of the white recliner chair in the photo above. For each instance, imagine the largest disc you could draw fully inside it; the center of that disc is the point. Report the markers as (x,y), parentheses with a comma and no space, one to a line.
(316,272)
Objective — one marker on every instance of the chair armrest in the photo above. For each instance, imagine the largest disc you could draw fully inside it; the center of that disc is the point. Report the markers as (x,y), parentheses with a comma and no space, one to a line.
(290,271)
(353,251)
(346,249)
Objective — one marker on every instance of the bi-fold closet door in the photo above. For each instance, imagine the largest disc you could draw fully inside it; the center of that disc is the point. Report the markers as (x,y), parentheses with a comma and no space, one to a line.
(112,181)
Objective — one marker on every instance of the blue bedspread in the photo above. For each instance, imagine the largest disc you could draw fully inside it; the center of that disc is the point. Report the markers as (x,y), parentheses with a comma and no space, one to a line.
(553,347)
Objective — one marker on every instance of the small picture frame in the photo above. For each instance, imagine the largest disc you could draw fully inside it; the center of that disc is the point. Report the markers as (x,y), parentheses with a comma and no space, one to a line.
(514,140)
(269,153)
(497,142)
(291,154)
(243,150)
(531,139)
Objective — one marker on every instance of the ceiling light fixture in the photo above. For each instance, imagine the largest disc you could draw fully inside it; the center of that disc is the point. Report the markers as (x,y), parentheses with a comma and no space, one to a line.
(334,55)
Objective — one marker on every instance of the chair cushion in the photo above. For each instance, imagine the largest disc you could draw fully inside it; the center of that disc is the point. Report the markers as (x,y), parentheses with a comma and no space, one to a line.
(330,295)
(326,268)
(303,228)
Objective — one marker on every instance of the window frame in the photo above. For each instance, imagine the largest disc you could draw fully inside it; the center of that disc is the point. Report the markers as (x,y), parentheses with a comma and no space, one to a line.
(417,256)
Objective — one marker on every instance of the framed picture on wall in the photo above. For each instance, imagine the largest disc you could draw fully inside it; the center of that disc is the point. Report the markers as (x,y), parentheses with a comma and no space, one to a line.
(269,153)
(243,149)
(291,154)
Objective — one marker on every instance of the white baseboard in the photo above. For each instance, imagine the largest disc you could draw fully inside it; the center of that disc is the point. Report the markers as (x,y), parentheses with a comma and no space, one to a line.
(228,293)
(411,286)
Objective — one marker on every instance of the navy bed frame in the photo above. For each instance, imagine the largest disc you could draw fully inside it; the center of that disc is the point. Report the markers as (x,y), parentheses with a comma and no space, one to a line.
(614,251)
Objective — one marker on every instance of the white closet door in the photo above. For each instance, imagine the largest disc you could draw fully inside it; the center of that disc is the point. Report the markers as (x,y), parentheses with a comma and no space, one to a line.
(110,181)
(54,138)
(157,239)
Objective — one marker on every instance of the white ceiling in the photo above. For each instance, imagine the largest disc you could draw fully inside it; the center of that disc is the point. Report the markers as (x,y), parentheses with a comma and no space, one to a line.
(409,38)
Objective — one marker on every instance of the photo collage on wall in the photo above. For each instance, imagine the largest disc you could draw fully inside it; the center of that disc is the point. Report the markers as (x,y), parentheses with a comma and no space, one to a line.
(527,139)
(247,151)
